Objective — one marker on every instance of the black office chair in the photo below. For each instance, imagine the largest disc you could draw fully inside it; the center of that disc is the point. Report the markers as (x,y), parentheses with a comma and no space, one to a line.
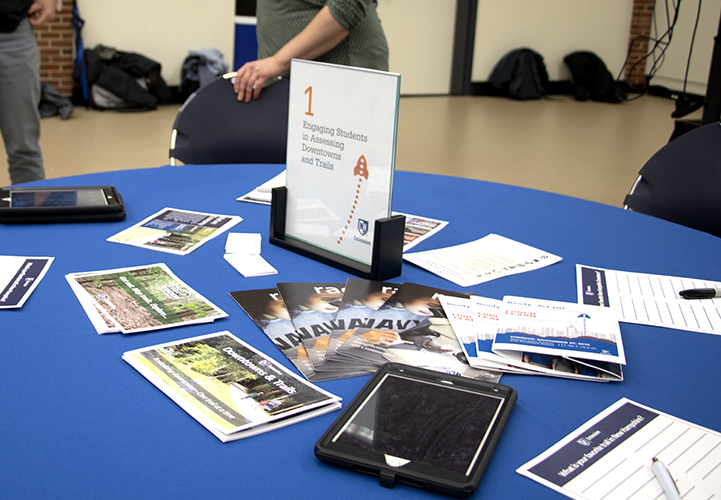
(214,127)
(682,182)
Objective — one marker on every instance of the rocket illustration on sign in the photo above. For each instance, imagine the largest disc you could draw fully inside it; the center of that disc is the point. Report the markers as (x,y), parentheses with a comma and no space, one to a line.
(361,170)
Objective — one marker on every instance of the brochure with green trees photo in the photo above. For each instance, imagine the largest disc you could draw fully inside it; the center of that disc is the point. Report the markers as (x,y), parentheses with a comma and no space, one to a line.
(232,389)
(140,299)
(175,231)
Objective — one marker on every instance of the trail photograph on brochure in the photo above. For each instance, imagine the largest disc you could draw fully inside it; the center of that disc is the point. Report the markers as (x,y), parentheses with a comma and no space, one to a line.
(175,231)
(138,299)
(227,385)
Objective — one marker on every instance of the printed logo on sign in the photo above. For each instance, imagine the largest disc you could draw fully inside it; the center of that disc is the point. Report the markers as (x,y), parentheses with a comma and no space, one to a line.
(584,442)
(362,227)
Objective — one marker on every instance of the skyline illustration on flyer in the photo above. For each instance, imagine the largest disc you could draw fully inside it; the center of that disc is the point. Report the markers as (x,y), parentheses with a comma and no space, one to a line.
(533,336)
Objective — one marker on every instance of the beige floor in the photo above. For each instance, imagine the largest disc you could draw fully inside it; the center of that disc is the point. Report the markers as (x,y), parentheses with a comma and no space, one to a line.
(584,149)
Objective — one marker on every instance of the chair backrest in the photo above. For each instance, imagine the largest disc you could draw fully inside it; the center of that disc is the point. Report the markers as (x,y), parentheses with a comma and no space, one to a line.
(682,182)
(214,127)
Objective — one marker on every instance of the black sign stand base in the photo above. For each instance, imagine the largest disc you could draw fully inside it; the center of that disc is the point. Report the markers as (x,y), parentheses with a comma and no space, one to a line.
(387,258)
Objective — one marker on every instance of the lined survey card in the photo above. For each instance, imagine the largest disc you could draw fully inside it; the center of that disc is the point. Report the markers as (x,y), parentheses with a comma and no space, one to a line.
(649,299)
(610,456)
(485,259)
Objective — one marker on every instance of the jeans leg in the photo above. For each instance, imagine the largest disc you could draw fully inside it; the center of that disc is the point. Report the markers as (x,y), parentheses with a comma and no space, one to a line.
(19,100)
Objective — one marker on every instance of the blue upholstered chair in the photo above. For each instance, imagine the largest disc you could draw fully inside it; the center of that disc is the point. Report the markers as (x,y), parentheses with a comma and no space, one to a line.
(682,182)
(213,127)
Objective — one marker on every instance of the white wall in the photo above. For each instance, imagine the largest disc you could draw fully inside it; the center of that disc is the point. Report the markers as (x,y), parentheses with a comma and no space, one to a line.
(420,35)
(420,42)
(672,71)
(162,30)
(553,28)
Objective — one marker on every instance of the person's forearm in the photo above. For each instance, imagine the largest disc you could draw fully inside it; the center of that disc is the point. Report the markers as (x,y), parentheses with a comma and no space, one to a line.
(321,35)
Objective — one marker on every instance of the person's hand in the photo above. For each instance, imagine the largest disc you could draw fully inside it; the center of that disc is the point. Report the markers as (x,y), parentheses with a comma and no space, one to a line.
(41,11)
(251,76)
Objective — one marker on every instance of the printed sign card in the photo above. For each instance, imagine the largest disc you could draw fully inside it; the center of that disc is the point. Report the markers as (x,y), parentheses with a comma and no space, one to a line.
(342,124)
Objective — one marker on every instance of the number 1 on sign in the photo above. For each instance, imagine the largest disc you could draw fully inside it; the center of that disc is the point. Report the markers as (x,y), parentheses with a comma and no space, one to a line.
(309,91)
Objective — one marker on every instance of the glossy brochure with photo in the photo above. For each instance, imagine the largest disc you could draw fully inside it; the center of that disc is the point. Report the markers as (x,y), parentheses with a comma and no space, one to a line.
(175,231)
(267,310)
(361,299)
(231,388)
(313,307)
(412,328)
(419,229)
(140,299)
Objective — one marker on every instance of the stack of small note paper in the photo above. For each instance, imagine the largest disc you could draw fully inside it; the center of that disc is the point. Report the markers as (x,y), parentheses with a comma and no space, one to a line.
(242,251)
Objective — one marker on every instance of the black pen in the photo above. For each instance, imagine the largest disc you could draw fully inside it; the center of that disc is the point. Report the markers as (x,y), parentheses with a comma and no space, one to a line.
(700,293)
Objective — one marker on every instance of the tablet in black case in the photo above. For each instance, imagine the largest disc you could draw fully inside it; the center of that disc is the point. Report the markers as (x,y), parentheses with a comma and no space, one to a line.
(421,428)
(34,205)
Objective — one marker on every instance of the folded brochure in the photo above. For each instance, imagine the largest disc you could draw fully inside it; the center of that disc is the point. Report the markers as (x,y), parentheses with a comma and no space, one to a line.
(232,389)
(539,336)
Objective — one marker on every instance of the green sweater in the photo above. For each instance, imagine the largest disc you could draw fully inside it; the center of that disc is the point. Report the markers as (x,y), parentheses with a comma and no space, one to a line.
(365,46)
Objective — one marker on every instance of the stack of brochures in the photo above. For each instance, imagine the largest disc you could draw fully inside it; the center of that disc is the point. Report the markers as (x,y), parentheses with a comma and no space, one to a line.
(140,299)
(532,336)
(339,330)
(232,389)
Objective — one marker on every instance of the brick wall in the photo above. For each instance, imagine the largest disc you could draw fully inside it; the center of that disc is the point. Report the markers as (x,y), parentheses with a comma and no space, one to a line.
(55,40)
(640,27)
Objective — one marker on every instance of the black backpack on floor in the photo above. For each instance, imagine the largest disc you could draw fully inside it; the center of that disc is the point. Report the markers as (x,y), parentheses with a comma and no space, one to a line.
(591,79)
(521,74)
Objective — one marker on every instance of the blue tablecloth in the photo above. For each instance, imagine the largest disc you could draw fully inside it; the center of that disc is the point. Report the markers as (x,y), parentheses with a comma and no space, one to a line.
(78,422)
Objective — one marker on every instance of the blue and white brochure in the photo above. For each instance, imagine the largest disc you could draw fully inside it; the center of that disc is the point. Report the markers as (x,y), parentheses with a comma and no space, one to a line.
(475,321)
(560,338)
(18,278)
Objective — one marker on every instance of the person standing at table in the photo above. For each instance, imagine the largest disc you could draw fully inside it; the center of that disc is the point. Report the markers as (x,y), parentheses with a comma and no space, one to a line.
(346,32)
(20,85)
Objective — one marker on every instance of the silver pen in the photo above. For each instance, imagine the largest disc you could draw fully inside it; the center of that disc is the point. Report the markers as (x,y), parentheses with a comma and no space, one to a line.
(664,477)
